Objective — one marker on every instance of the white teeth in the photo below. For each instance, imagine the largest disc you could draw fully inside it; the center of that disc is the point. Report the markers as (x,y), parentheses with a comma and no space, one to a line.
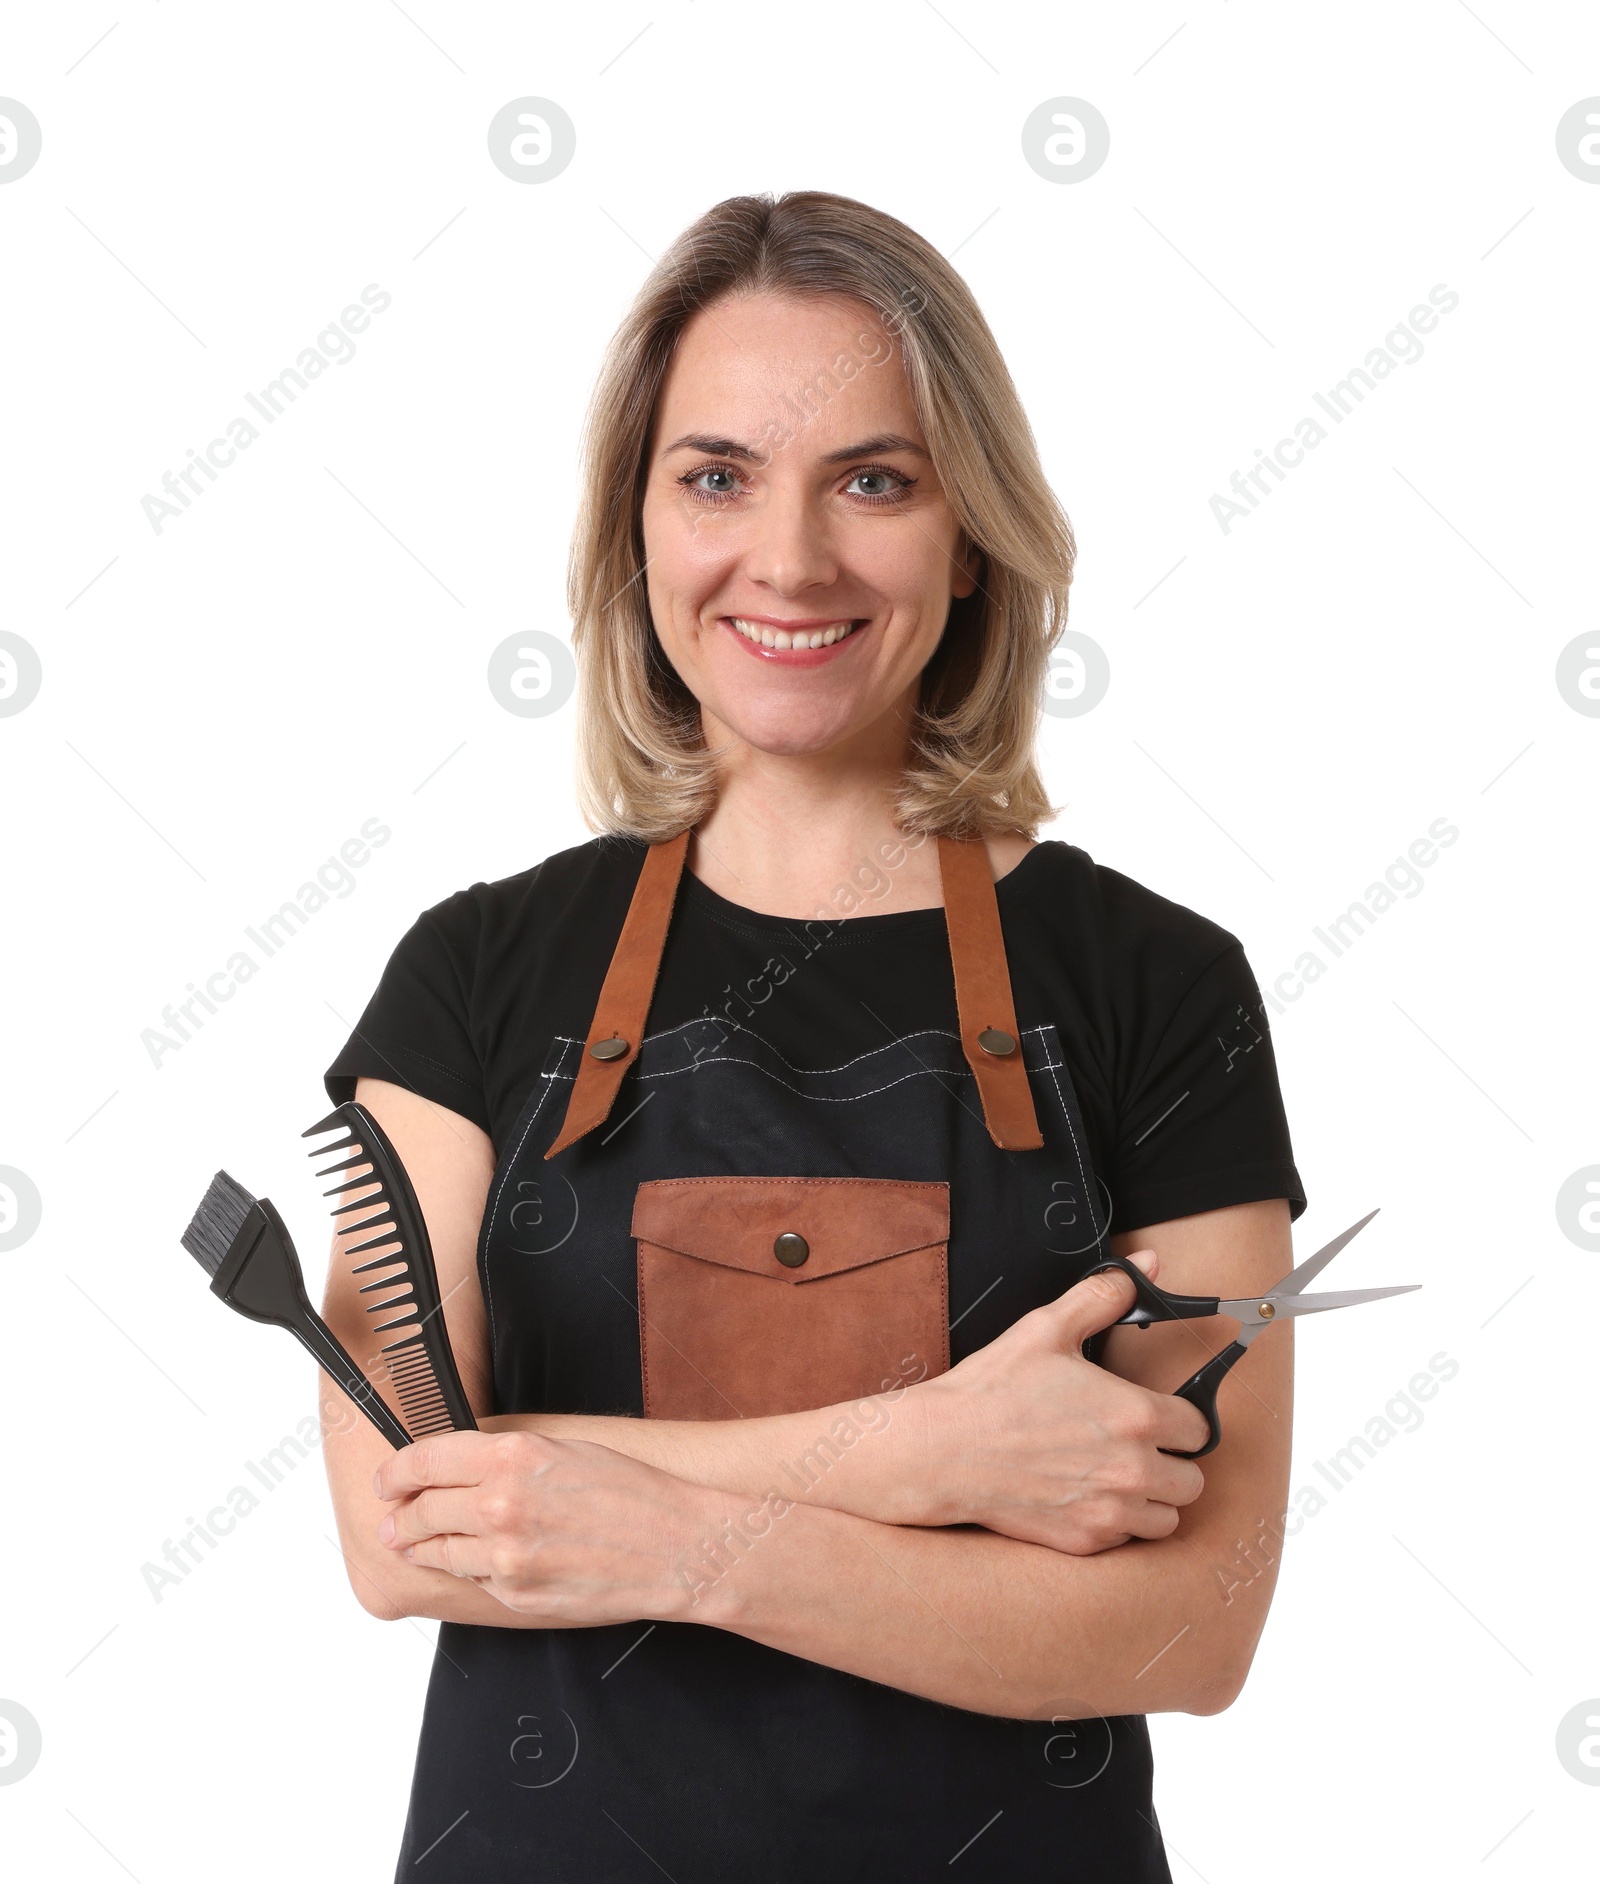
(776,638)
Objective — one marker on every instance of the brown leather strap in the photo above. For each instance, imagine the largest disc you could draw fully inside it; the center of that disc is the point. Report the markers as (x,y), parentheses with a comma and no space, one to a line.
(624,1002)
(988,1020)
(977,953)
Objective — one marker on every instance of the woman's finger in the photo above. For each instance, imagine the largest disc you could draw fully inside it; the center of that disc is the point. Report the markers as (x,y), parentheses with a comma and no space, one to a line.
(431,1513)
(1155,1520)
(1087,1307)
(1182,1427)
(1175,1481)
(445,1459)
(461,1556)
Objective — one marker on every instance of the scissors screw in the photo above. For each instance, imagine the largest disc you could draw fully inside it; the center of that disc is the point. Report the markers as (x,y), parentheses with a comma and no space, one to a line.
(1266,1310)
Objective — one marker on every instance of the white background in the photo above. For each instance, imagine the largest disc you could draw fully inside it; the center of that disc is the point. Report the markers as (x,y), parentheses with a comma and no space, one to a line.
(225,703)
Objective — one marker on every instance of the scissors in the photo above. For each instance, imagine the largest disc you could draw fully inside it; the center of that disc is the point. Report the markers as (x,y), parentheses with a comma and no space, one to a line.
(1253,1313)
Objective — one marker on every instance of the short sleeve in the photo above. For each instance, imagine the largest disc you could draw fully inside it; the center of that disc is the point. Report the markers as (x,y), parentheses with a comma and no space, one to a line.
(1202,1124)
(416,1030)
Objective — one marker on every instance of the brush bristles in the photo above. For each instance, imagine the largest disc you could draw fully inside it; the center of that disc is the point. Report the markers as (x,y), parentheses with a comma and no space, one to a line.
(217,1222)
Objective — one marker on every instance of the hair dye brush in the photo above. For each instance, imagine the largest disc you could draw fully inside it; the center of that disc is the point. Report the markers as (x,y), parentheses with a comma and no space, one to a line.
(405,1281)
(241,1243)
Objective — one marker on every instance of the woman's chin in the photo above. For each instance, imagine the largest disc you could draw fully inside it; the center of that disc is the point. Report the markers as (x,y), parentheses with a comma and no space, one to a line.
(779,734)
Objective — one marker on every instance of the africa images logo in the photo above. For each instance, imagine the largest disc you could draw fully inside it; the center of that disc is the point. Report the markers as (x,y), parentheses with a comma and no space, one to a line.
(335,346)
(1402,346)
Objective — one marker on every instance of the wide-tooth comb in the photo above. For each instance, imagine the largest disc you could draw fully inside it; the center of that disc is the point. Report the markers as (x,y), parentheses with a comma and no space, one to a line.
(420,1362)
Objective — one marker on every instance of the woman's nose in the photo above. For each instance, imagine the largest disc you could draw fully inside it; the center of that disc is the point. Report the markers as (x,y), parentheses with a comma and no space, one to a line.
(788,548)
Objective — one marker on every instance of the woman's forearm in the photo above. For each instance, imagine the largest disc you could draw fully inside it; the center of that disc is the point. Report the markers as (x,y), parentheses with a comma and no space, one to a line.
(867,1457)
(985,1622)
(959,1616)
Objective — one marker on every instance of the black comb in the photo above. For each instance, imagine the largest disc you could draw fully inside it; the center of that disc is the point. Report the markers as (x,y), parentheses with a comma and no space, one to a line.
(420,1362)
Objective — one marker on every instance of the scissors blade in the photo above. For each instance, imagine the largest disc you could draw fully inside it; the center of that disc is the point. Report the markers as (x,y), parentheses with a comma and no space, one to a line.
(1248,1309)
(1313,1266)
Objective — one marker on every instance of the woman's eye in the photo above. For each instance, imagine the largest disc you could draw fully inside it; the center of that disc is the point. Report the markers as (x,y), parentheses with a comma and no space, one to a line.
(882,486)
(713,481)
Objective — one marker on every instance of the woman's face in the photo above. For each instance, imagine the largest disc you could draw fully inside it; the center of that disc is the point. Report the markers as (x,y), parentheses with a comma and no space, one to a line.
(802,555)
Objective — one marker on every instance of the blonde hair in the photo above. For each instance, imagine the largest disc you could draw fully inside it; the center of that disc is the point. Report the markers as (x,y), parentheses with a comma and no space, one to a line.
(644,768)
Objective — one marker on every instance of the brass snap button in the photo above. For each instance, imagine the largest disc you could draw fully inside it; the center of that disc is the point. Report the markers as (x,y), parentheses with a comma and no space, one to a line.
(791,1250)
(996,1041)
(612,1049)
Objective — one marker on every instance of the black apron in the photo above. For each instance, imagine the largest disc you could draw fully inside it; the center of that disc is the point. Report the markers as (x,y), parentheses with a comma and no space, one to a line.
(628,1751)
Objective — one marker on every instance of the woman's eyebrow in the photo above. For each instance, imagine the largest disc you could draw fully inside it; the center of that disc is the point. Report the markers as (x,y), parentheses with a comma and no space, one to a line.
(711,446)
(873,447)
(716,447)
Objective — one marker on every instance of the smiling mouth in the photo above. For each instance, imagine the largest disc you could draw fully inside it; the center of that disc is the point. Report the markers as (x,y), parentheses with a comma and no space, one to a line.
(801,638)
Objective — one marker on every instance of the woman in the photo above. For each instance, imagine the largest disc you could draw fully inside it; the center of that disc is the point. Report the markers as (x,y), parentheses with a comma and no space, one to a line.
(789,1114)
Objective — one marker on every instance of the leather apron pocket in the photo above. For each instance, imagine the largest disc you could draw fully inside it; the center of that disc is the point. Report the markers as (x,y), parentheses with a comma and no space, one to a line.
(774,1295)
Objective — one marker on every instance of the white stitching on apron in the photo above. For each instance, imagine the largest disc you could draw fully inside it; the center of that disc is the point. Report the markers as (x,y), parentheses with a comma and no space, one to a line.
(494,1209)
(1077,1151)
(815,1072)
(822,1072)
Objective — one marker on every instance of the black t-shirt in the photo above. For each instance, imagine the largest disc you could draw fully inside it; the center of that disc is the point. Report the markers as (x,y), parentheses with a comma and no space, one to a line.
(1158,1011)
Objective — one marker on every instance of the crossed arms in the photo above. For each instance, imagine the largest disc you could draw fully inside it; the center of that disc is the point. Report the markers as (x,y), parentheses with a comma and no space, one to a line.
(1008,1538)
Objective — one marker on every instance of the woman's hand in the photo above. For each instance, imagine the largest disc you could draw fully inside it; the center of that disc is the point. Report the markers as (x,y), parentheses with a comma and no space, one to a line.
(564,1531)
(1028,1438)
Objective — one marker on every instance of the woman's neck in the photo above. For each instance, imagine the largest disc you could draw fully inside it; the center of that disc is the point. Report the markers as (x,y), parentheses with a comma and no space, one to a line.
(806,835)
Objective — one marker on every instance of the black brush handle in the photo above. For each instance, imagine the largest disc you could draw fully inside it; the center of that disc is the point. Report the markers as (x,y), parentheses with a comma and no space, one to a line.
(260,1277)
(418,1250)
(323,1346)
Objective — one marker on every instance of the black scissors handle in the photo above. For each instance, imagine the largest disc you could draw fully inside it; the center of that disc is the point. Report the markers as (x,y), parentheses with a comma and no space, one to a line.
(1153,1304)
(1200,1390)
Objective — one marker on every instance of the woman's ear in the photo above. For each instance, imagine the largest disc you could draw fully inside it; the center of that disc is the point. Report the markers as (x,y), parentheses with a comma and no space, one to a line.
(968,570)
